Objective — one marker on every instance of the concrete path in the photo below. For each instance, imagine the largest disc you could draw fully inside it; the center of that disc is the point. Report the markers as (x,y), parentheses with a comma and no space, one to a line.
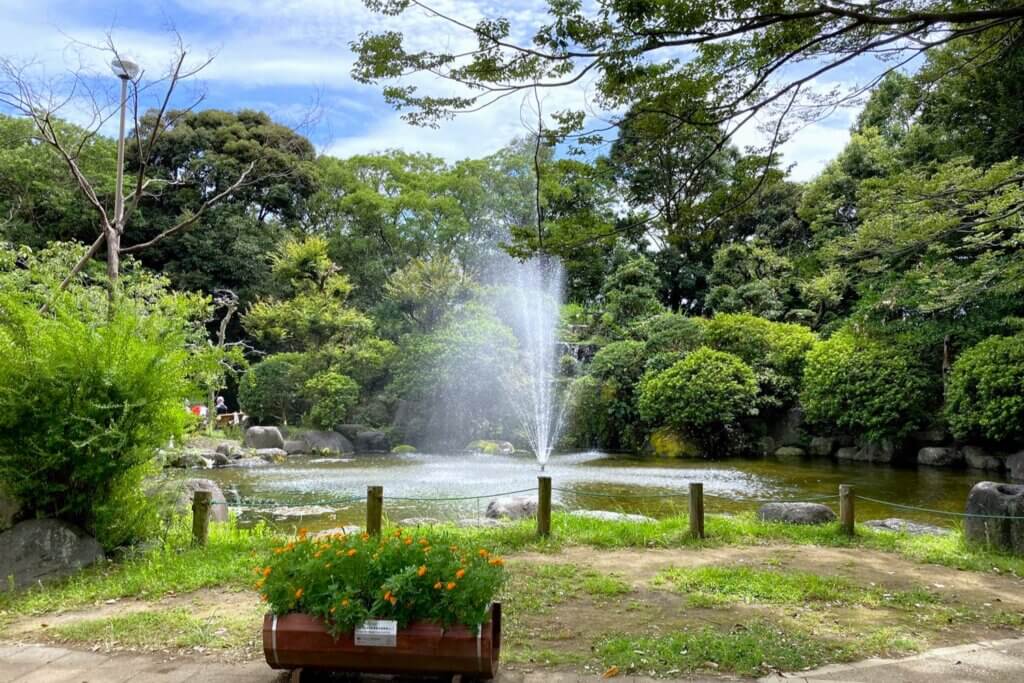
(1000,661)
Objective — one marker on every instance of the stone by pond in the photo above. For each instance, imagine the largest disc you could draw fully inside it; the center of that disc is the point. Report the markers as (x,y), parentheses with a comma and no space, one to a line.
(1000,520)
(906,526)
(44,549)
(263,437)
(796,513)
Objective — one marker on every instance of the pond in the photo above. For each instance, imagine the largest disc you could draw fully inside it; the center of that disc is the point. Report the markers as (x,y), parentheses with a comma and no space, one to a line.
(328,492)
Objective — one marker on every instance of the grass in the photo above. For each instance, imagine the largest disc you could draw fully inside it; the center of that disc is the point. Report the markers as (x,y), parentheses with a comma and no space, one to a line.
(174,628)
(713,586)
(751,649)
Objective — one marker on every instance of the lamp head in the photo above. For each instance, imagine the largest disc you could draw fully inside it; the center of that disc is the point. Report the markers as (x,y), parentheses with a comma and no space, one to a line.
(123,67)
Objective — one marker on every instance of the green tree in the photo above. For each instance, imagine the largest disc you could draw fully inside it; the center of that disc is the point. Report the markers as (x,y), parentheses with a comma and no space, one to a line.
(985,397)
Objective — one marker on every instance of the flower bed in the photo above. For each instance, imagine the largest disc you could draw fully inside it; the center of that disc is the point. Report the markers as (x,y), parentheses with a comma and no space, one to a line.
(439,594)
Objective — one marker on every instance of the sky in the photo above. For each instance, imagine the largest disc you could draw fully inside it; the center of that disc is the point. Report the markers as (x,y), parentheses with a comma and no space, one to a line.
(292,57)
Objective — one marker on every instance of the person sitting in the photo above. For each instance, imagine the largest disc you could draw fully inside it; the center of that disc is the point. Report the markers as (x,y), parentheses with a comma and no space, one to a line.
(221,406)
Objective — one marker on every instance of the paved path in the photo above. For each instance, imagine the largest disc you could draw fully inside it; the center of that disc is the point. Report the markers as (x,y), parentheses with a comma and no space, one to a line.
(999,661)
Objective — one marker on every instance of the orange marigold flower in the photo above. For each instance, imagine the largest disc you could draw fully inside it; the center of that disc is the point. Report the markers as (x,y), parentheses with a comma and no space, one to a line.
(266,571)
(426,550)
(393,601)
(387,595)
(459,574)
(298,594)
(497,562)
(317,554)
(352,552)
(483,553)
(437,585)
(424,541)
(451,585)
(422,570)
(302,532)
(408,541)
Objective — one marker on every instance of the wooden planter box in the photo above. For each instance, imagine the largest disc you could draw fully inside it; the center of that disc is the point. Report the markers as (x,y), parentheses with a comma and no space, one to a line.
(299,641)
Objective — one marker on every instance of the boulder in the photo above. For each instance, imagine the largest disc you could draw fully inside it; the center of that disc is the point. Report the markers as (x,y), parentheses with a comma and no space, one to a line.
(512,507)
(250,462)
(295,446)
(1002,523)
(10,508)
(231,450)
(403,449)
(980,459)
(271,454)
(263,437)
(906,526)
(218,506)
(43,549)
(790,452)
(796,513)
(372,441)
(349,431)
(823,445)
(220,460)
(789,431)
(939,456)
(1015,466)
(868,452)
(847,453)
(331,443)
(192,459)
(665,442)
(766,445)
(935,436)
(491,447)
(609,516)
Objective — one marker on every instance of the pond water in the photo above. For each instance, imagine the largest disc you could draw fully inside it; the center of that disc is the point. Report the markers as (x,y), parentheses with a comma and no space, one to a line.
(327,492)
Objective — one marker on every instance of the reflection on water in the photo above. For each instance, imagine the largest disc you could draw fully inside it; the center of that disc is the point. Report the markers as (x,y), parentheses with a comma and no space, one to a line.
(333,488)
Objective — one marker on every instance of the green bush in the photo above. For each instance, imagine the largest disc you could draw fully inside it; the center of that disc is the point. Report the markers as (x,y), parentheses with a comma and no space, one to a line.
(83,407)
(702,396)
(587,415)
(985,395)
(271,391)
(668,337)
(347,579)
(618,368)
(856,384)
(775,351)
(331,396)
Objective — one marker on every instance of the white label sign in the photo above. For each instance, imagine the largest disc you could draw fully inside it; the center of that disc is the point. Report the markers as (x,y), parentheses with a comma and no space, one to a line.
(377,633)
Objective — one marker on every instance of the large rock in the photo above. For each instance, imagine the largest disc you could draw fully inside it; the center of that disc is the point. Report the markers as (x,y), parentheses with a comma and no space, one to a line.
(996,504)
(906,526)
(331,443)
(295,446)
(980,459)
(10,508)
(796,513)
(372,441)
(789,431)
(868,452)
(939,456)
(609,516)
(823,445)
(349,431)
(231,450)
(1015,466)
(43,549)
(192,459)
(218,504)
(263,437)
(512,507)
(271,454)
(789,452)
(220,460)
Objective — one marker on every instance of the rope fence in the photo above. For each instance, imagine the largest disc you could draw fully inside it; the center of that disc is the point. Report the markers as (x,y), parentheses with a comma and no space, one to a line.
(374,499)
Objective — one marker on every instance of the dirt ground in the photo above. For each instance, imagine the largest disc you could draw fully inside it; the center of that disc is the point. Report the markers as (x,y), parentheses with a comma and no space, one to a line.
(552,625)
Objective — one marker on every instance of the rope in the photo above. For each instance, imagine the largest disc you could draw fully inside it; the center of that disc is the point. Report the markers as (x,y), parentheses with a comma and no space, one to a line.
(435,500)
(585,494)
(936,512)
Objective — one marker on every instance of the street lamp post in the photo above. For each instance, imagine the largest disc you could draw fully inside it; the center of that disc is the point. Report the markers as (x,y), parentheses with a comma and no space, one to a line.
(126,70)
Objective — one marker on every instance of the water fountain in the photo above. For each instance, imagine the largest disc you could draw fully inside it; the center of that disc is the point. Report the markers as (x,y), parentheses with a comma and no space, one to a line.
(528,297)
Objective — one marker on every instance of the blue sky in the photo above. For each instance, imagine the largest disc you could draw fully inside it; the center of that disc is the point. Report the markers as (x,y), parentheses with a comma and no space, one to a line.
(281,56)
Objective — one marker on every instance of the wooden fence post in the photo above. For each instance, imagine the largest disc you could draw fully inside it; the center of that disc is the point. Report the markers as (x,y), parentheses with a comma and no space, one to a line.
(543,506)
(201,516)
(847,515)
(374,509)
(697,509)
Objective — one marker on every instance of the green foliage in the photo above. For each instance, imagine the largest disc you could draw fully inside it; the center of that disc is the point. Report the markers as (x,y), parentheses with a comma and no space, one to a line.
(331,396)
(985,395)
(703,396)
(271,390)
(774,350)
(859,385)
(617,368)
(83,407)
(347,579)
(668,337)
(631,293)
(750,278)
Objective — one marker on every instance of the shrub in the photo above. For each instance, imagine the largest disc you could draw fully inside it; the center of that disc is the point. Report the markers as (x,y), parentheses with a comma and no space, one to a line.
(617,368)
(83,407)
(631,292)
(271,390)
(775,351)
(587,414)
(856,384)
(347,579)
(331,396)
(668,337)
(985,395)
(702,396)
